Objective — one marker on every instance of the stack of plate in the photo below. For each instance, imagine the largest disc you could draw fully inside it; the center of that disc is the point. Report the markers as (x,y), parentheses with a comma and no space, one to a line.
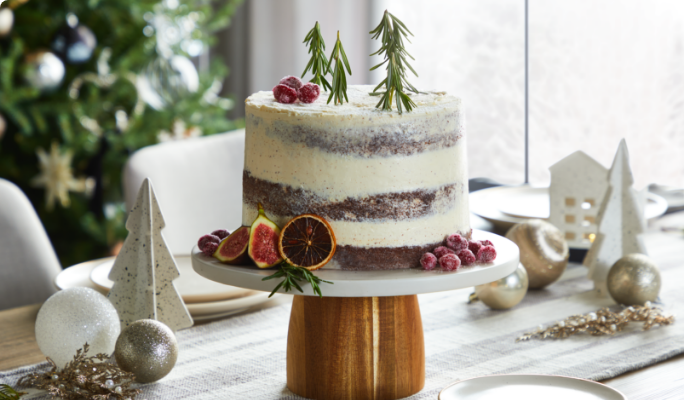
(205,299)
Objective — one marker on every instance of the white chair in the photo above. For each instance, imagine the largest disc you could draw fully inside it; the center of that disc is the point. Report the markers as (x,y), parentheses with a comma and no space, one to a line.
(198,183)
(28,263)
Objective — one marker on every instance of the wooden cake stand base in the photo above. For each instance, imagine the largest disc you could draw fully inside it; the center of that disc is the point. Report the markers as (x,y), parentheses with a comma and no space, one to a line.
(355,347)
(364,338)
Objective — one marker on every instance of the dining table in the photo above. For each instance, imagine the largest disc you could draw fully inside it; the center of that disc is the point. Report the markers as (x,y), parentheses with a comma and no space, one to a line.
(660,380)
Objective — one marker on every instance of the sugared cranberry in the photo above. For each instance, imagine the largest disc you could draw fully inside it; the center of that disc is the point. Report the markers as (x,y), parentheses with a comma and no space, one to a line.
(208,244)
(210,248)
(457,242)
(467,257)
(441,251)
(486,243)
(221,233)
(428,261)
(291,81)
(308,93)
(449,262)
(284,94)
(474,246)
(486,254)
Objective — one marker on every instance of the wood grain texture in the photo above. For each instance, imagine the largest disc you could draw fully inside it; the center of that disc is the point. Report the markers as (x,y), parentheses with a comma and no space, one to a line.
(355,348)
(18,345)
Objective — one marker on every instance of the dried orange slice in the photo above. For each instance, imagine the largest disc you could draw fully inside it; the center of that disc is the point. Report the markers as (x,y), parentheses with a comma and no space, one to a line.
(307,241)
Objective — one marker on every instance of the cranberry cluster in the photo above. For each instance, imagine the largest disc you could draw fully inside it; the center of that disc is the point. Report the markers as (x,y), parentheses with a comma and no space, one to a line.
(291,88)
(209,243)
(458,251)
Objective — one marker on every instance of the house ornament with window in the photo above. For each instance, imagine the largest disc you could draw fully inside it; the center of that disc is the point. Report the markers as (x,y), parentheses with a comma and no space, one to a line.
(620,223)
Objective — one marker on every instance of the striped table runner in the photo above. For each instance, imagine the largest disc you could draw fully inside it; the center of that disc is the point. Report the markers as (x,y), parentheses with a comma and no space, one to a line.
(244,357)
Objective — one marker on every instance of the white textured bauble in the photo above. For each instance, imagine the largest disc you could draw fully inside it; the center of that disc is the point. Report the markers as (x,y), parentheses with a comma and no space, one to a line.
(506,292)
(72,317)
(165,81)
(6,21)
(44,70)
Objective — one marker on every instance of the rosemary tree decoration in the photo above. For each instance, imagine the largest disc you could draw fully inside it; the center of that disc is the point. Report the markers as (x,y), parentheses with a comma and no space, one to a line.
(291,275)
(339,85)
(392,33)
(318,64)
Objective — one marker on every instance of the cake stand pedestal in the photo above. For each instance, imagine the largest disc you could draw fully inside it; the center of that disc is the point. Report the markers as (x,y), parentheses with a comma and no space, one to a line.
(364,338)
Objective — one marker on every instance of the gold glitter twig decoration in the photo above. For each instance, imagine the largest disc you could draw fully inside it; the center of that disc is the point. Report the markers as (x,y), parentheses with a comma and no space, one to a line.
(91,378)
(602,322)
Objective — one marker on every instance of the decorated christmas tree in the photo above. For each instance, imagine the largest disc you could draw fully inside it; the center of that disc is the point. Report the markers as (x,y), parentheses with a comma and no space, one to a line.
(83,84)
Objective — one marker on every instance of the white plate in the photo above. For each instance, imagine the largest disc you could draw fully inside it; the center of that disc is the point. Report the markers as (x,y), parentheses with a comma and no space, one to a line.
(497,387)
(372,283)
(192,287)
(506,206)
(79,276)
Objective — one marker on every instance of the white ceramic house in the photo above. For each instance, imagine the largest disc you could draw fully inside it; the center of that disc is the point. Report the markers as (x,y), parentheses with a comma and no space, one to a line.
(578,186)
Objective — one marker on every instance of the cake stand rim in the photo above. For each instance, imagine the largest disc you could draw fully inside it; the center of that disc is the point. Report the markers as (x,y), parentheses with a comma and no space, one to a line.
(401,282)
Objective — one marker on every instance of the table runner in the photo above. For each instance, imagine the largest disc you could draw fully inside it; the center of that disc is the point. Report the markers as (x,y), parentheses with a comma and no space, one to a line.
(244,357)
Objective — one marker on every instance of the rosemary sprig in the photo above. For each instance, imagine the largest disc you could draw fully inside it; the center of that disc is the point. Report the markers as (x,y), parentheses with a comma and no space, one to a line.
(393,32)
(339,85)
(318,64)
(7,393)
(291,275)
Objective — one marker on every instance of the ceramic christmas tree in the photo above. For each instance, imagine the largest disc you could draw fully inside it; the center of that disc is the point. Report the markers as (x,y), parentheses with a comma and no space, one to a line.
(144,270)
(620,223)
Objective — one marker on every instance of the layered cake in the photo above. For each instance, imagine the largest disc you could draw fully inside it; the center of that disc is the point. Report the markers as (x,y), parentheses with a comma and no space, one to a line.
(392,186)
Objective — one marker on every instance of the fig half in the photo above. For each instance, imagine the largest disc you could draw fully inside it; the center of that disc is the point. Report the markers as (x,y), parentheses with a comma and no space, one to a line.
(263,241)
(233,249)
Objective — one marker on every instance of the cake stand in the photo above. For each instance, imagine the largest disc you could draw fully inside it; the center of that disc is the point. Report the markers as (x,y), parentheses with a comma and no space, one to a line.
(364,338)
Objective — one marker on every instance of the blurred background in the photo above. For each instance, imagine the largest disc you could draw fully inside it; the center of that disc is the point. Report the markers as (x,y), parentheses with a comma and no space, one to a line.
(84,84)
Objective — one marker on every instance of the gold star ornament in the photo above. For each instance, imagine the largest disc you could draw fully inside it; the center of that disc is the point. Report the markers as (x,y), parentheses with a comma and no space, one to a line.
(56,176)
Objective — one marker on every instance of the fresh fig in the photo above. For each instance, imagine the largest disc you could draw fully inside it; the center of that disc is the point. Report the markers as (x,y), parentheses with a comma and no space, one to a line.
(263,241)
(233,249)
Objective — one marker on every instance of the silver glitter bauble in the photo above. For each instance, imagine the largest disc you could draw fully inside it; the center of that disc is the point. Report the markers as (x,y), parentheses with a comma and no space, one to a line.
(633,280)
(148,349)
(166,81)
(506,292)
(543,251)
(44,70)
(6,21)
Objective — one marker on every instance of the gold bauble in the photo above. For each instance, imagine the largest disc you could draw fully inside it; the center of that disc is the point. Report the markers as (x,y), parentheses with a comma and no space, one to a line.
(633,280)
(148,349)
(543,251)
(506,292)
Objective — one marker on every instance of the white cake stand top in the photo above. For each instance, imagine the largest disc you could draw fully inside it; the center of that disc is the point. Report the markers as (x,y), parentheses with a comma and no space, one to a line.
(399,282)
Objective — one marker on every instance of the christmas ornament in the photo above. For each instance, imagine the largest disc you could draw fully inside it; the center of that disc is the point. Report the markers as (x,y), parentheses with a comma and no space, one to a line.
(6,21)
(72,317)
(3,126)
(144,270)
(506,292)
(73,42)
(634,279)
(165,81)
(56,176)
(103,79)
(179,132)
(620,223)
(602,322)
(84,378)
(543,251)
(148,349)
(44,70)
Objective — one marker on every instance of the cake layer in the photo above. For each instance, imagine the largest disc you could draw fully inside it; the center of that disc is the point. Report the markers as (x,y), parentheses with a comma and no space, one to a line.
(285,200)
(392,186)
